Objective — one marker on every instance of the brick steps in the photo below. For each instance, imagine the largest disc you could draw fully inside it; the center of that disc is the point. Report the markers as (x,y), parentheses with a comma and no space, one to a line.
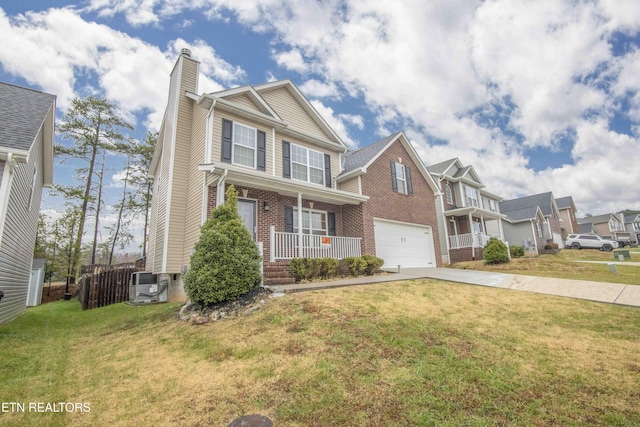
(277,273)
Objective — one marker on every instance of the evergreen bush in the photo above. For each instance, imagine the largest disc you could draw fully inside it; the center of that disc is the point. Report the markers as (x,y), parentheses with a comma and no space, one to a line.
(495,252)
(373,264)
(516,251)
(226,263)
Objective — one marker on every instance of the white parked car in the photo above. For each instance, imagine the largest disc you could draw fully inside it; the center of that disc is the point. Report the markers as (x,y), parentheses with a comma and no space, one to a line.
(579,241)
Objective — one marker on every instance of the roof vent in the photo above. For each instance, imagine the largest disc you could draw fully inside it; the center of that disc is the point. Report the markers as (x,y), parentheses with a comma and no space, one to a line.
(186,52)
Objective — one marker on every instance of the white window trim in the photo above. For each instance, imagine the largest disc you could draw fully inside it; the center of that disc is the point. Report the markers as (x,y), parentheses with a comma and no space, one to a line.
(234,143)
(307,164)
(311,229)
(469,200)
(401,189)
(449,193)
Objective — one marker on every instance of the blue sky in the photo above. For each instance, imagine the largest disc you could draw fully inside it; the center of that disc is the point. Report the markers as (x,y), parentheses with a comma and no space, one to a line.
(537,95)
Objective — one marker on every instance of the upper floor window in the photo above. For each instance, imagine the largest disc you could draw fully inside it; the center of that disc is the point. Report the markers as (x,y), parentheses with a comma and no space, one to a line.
(472,198)
(539,228)
(243,145)
(493,206)
(401,178)
(448,194)
(614,225)
(636,225)
(307,165)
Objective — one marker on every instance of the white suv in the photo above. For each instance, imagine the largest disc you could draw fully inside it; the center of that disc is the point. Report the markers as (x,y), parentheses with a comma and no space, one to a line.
(579,241)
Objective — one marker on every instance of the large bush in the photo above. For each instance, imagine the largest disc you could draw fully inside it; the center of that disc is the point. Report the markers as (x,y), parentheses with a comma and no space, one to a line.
(226,263)
(516,251)
(495,252)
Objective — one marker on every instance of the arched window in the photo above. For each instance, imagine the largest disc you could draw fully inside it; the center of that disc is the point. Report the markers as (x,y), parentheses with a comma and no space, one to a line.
(448,194)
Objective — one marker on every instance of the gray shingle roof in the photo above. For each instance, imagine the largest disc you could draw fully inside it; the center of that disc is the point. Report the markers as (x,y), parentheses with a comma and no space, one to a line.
(359,158)
(564,202)
(543,200)
(22,112)
(440,168)
(595,219)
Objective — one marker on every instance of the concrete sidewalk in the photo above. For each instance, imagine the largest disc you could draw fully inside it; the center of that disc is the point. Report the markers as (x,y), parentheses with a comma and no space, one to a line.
(613,293)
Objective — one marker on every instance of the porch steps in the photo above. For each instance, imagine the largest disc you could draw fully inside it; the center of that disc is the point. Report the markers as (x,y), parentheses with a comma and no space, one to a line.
(277,273)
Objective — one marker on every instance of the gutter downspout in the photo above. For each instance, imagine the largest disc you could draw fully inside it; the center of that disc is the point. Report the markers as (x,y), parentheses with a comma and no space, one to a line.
(5,189)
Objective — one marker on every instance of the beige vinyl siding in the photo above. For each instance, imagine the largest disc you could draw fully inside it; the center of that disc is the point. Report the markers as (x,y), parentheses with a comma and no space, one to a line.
(245,101)
(19,233)
(196,184)
(217,137)
(350,185)
(335,159)
(286,106)
(178,203)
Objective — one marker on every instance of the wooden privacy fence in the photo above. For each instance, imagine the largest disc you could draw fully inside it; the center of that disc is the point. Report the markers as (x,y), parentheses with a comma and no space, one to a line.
(105,284)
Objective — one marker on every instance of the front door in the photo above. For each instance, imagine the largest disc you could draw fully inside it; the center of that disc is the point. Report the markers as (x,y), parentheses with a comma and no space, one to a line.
(248,213)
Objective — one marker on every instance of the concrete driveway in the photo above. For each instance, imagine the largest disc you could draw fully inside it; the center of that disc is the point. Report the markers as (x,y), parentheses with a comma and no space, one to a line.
(613,293)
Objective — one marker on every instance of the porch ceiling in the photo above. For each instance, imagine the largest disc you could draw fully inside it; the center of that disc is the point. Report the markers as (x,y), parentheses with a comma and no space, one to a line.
(286,187)
(474,212)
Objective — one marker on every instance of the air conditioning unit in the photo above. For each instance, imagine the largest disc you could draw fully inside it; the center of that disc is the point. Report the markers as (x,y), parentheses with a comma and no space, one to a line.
(145,289)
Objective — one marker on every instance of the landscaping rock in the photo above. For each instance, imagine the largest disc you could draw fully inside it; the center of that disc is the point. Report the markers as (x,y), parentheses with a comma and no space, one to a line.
(243,306)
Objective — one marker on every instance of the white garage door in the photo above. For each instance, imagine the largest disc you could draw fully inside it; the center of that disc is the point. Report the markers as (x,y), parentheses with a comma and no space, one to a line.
(407,245)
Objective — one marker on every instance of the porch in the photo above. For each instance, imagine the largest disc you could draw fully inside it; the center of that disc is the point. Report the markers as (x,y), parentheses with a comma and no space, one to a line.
(286,246)
(469,240)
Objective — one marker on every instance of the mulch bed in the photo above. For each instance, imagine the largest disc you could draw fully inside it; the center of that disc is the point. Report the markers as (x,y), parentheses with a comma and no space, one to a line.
(56,292)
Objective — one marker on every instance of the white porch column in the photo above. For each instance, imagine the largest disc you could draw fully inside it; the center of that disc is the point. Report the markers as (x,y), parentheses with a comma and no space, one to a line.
(500,229)
(300,254)
(473,238)
(220,189)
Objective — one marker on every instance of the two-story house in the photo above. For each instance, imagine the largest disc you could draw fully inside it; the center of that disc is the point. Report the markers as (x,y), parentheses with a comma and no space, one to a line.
(540,230)
(287,165)
(632,225)
(26,166)
(569,223)
(468,215)
(610,224)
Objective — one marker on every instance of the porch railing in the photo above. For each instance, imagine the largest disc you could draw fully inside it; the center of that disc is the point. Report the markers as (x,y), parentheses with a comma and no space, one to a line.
(285,246)
(477,240)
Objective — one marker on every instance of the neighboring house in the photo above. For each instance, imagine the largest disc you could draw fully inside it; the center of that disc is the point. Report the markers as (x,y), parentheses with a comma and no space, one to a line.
(569,223)
(468,215)
(26,166)
(632,225)
(523,208)
(526,227)
(286,163)
(606,225)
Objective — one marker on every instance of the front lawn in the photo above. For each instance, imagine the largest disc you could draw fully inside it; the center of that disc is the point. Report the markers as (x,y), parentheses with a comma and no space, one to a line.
(421,352)
(564,265)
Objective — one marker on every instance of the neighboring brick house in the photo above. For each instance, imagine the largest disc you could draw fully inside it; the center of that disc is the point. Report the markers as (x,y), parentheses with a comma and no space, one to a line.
(569,221)
(26,166)
(551,226)
(286,163)
(605,225)
(399,222)
(468,215)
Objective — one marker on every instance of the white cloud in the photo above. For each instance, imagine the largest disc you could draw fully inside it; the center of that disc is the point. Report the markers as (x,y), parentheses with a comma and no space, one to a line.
(291,60)
(337,122)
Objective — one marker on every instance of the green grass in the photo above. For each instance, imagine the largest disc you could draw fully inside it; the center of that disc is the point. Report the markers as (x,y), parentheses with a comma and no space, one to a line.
(566,265)
(406,353)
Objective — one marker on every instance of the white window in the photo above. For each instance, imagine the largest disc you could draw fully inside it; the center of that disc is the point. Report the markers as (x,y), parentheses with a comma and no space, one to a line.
(401,178)
(539,227)
(244,145)
(472,197)
(493,206)
(636,225)
(313,222)
(449,195)
(307,165)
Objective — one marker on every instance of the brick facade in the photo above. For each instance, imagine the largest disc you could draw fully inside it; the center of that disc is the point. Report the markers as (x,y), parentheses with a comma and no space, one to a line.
(384,203)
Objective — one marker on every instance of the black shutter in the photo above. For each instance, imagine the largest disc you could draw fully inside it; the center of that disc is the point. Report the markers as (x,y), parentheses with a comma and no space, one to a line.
(286,159)
(288,219)
(262,151)
(407,172)
(331,223)
(394,183)
(227,129)
(327,170)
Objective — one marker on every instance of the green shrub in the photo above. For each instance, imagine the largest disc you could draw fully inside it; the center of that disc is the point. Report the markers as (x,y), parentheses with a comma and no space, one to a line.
(551,246)
(355,265)
(495,252)
(327,267)
(373,264)
(516,251)
(226,263)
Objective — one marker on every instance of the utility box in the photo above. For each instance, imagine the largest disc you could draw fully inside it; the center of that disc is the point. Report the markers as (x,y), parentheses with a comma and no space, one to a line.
(145,289)
(621,255)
